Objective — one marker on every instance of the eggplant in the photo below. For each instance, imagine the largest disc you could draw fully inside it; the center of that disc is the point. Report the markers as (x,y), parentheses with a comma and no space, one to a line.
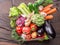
(48,28)
(40,32)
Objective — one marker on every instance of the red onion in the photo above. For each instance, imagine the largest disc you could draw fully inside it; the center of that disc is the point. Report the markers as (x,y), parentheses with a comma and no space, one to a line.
(20,21)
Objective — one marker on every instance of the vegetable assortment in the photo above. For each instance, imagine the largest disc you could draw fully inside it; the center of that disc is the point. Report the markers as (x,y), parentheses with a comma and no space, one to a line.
(31,21)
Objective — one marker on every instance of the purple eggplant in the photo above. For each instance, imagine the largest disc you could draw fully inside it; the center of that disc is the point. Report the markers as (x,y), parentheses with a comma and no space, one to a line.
(49,29)
(40,32)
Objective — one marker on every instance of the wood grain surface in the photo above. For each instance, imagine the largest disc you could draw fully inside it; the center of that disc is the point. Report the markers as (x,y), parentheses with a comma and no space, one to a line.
(5,29)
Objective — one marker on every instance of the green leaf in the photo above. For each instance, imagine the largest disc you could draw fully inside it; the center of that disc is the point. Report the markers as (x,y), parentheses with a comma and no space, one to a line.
(15,35)
(13,23)
(14,11)
(46,37)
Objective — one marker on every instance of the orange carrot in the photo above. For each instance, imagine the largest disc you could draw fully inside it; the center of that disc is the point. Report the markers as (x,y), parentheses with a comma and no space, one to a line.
(48,6)
(46,10)
(51,11)
(49,17)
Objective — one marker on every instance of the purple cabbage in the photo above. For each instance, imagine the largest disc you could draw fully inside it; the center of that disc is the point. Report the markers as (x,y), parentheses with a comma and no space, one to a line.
(20,21)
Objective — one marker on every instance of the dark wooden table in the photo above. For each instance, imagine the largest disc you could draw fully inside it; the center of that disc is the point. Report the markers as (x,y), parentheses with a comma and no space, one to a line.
(5,29)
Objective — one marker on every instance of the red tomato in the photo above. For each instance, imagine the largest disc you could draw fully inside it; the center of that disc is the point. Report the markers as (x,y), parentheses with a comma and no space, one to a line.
(33,27)
(26,30)
(28,37)
(19,30)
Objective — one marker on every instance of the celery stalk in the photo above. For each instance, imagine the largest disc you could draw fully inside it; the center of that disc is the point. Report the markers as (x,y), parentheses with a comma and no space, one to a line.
(24,5)
(25,9)
(22,10)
